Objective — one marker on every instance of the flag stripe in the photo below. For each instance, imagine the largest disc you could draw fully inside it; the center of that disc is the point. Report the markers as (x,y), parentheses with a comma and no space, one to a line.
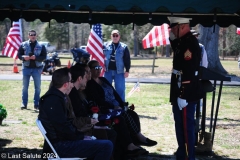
(13,41)
(238,31)
(136,87)
(158,36)
(95,45)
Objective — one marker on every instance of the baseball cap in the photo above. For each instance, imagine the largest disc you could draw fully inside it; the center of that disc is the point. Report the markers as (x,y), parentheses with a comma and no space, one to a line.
(115,32)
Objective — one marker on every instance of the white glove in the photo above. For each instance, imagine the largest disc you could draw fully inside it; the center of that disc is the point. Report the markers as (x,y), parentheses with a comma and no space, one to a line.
(181,103)
(171,36)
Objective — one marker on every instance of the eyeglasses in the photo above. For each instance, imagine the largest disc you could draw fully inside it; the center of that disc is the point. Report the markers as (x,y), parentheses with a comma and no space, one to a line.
(97,67)
(32,34)
(115,35)
(71,81)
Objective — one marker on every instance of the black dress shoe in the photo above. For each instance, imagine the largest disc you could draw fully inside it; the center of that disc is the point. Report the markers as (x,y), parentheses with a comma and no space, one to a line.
(136,152)
(36,107)
(23,107)
(148,143)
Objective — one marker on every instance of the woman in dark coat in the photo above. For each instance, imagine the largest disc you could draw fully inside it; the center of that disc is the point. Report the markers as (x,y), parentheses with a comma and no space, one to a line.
(103,93)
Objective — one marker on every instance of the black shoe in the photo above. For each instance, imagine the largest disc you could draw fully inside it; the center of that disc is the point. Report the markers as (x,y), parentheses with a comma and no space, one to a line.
(23,107)
(36,107)
(136,152)
(148,143)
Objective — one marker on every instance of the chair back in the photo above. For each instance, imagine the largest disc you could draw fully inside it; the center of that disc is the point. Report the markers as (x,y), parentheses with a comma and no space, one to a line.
(43,131)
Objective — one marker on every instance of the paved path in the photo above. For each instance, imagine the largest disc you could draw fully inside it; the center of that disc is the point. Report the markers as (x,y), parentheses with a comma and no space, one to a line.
(128,80)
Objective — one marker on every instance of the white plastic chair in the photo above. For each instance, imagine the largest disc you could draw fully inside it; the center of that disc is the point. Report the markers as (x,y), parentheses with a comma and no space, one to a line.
(43,131)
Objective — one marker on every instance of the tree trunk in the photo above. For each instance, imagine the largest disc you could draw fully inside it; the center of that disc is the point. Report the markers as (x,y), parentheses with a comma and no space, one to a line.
(224,43)
(75,37)
(210,40)
(135,41)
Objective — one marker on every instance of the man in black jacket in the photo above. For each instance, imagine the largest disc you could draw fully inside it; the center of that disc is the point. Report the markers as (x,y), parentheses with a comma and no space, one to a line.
(66,139)
(184,89)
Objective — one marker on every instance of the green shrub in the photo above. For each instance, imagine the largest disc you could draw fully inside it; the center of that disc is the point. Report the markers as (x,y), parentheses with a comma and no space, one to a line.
(3,112)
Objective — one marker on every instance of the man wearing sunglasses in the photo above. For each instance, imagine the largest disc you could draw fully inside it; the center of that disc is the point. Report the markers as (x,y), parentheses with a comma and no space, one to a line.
(117,58)
(32,55)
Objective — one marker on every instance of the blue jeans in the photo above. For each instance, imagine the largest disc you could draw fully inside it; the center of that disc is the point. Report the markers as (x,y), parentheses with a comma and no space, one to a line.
(119,82)
(97,149)
(189,121)
(36,75)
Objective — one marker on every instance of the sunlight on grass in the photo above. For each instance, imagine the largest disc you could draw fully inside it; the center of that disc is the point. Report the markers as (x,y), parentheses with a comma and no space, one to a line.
(152,105)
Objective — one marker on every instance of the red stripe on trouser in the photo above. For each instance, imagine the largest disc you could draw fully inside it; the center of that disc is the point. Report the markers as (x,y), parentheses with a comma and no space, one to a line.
(185,129)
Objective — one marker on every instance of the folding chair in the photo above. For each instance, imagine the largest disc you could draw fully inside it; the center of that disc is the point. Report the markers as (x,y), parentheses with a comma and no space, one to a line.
(43,131)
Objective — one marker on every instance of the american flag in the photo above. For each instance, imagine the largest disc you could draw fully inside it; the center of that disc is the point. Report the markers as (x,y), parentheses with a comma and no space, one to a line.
(238,31)
(159,35)
(136,87)
(95,45)
(13,40)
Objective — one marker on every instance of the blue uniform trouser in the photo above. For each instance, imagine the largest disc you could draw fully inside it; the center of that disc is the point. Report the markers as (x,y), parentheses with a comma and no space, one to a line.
(119,82)
(185,131)
(95,149)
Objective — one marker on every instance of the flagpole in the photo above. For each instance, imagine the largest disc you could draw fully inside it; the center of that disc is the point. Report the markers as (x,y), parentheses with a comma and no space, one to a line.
(154,57)
(20,28)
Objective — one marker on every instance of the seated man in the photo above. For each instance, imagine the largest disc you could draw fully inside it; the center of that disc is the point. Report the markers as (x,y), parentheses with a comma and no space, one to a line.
(66,139)
(79,106)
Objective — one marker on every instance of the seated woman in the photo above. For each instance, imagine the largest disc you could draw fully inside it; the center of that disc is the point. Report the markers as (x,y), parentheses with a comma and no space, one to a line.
(103,93)
(81,110)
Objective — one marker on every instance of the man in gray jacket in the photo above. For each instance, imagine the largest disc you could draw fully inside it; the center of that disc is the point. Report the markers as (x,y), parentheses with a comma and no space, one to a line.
(117,58)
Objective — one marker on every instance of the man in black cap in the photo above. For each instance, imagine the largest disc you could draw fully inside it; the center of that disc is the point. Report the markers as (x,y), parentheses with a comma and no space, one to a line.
(184,89)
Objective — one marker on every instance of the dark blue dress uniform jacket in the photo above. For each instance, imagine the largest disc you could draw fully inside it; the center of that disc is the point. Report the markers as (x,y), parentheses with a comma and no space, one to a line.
(186,59)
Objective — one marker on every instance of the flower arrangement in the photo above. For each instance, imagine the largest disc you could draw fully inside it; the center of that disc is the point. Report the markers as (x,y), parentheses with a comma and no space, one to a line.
(95,111)
(3,112)
(111,122)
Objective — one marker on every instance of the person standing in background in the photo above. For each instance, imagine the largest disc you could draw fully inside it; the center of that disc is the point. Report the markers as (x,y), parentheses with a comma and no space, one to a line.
(204,59)
(117,58)
(185,87)
(32,55)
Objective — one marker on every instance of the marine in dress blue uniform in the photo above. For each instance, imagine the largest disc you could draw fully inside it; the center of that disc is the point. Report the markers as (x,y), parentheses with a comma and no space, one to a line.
(185,87)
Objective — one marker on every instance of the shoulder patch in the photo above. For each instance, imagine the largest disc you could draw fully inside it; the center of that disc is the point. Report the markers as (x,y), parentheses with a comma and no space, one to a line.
(187,55)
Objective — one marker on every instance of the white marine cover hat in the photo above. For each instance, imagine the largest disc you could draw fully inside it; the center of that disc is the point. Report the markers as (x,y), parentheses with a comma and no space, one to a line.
(178,20)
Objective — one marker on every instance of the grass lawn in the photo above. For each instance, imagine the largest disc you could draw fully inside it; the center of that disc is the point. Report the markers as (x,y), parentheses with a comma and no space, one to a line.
(19,133)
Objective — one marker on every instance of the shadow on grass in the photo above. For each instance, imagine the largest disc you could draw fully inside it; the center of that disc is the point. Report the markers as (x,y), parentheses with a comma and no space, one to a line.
(204,156)
(4,142)
(225,125)
(148,117)
(33,154)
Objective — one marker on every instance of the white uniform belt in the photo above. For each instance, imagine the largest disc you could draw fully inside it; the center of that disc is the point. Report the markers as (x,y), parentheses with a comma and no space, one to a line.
(174,71)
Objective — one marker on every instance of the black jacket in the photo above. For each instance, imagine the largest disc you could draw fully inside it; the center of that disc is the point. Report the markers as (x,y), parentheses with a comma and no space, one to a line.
(80,107)
(95,92)
(53,115)
(187,57)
